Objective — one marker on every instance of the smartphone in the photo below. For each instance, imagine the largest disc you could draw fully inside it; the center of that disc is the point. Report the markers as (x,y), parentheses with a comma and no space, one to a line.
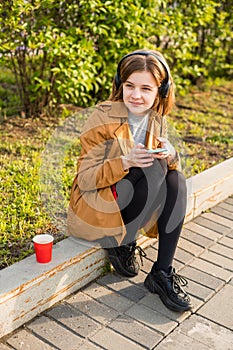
(157,150)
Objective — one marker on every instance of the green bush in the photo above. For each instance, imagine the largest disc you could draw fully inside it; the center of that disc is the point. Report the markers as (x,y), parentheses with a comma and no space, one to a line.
(9,99)
(66,51)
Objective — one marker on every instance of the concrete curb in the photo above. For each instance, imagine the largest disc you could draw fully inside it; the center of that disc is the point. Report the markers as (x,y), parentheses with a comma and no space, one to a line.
(28,288)
(208,188)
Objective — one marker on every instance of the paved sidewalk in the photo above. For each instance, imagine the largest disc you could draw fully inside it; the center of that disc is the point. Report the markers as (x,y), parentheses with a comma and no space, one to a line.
(115,313)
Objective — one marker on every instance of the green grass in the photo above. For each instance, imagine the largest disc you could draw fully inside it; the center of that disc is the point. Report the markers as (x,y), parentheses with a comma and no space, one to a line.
(21,214)
(203,120)
(24,212)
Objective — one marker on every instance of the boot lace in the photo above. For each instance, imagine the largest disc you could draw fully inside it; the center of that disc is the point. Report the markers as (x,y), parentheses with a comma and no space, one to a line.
(178,282)
(132,259)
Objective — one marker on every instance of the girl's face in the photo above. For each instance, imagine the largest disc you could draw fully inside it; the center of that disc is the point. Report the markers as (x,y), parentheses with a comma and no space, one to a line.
(139,92)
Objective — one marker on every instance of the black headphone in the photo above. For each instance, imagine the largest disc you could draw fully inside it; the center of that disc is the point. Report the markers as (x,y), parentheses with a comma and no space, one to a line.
(165,85)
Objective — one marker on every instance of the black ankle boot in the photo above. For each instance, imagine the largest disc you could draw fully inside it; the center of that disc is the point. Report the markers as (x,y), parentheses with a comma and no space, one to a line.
(169,287)
(123,259)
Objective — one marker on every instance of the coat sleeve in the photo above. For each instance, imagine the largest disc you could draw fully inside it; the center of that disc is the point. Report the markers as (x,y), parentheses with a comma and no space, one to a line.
(95,170)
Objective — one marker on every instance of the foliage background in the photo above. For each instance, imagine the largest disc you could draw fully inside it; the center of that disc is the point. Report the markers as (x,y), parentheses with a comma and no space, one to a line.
(66,51)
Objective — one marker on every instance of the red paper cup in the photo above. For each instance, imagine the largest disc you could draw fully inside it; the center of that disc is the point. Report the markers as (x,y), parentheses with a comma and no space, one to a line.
(43,248)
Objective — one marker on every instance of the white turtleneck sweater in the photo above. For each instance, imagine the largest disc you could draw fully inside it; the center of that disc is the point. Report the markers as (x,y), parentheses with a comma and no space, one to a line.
(138,127)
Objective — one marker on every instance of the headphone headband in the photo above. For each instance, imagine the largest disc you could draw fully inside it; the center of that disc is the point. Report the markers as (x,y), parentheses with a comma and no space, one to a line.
(165,85)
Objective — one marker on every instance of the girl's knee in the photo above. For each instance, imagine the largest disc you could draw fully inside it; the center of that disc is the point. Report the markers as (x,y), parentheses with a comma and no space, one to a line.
(176,180)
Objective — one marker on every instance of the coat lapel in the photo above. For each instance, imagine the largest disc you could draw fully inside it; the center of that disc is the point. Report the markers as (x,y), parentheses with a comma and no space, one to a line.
(124,135)
(152,133)
(124,138)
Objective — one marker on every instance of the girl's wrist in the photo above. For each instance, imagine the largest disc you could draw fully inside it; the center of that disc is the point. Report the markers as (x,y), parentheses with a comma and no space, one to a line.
(125,162)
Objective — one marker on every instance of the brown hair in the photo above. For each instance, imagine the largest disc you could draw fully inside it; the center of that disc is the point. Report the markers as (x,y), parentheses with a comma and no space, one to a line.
(150,64)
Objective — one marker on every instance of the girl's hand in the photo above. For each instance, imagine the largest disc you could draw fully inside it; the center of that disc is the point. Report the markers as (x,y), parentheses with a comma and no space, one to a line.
(171,152)
(138,157)
(161,155)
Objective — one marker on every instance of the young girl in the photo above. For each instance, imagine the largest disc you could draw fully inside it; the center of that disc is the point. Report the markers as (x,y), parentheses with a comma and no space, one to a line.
(128,175)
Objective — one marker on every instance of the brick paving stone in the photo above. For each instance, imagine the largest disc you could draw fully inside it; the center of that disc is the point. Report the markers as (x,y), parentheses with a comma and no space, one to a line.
(153,302)
(214,226)
(177,265)
(229,200)
(196,238)
(151,318)
(222,250)
(108,297)
(201,277)
(211,269)
(207,232)
(217,218)
(183,256)
(139,279)
(55,334)
(27,341)
(155,244)
(178,340)
(110,279)
(98,311)
(219,308)
(222,212)
(207,332)
(74,319)
(88,346)
(218,260)
(226,241)
(134,292)
(226,206)
(110,340)
(199,291)
(137,332)
(147,265)
(5,347)
(190,247)
(230,234)
(196,303)
(124,287)
(151,253)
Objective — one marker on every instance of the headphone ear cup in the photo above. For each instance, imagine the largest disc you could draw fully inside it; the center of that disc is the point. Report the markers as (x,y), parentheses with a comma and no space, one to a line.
(164,89)
(117,81)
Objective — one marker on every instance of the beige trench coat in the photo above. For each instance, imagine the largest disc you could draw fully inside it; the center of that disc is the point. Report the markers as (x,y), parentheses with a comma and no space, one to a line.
(93,212)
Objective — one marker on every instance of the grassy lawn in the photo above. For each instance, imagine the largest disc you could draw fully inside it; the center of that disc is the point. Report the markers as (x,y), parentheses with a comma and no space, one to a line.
(203,121)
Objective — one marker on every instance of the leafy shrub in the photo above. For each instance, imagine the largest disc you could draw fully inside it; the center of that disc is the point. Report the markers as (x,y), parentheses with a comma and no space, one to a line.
(66,51)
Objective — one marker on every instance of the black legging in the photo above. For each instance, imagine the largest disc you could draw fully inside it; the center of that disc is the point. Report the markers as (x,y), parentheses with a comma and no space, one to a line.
(141,192)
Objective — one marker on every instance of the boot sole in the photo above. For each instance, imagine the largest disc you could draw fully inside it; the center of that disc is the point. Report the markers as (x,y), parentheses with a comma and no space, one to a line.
(119,269)
(155,288)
